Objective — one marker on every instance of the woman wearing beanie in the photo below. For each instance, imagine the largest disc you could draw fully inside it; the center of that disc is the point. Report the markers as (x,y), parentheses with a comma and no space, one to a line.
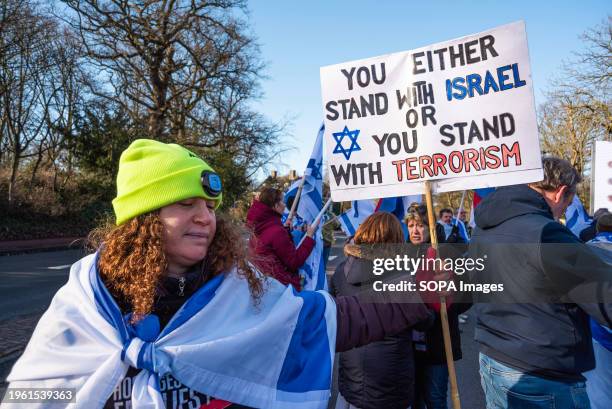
(169,312)
(273,245)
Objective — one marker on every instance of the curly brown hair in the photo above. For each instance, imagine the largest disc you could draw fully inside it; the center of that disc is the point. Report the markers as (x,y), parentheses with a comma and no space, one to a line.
(132,260)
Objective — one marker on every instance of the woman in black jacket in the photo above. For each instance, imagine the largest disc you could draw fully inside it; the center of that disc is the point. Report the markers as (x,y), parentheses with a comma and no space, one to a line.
(381,374)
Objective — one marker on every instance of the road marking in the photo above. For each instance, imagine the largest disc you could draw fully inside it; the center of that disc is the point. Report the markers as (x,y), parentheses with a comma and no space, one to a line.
(332,258)
(59,267)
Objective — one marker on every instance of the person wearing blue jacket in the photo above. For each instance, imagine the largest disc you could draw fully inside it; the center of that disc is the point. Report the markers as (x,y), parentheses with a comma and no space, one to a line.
(535,337)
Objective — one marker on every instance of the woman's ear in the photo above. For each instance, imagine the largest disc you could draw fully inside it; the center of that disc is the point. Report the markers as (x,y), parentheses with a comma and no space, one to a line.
(560,193)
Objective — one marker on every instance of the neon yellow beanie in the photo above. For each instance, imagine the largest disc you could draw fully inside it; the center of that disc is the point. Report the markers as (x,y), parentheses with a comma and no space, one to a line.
(153,174)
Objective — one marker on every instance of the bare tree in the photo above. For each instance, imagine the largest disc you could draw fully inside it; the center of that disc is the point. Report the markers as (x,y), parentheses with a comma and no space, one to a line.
(185,69)
(567,129)
(68,97)
(586,80)
(24,66)
(228,126)
(161,58)
(592,65)
(578,107)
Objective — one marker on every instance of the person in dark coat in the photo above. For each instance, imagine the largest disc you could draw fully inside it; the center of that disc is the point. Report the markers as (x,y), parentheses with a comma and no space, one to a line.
(381,374)
(431,372)
(535,337)
(273,245)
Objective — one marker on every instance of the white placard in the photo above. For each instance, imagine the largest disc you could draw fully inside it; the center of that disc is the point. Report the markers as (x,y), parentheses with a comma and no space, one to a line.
(459,113)
(602,176)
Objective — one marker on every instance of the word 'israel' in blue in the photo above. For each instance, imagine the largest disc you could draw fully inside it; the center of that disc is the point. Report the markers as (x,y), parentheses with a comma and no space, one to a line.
(474,83)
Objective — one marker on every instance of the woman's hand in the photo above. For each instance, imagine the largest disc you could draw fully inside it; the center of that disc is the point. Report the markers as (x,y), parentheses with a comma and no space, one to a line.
(310,232)
(442,275)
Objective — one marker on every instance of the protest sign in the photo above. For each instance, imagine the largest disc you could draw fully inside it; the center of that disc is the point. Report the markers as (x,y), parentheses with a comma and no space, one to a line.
(459,113)
(601,174)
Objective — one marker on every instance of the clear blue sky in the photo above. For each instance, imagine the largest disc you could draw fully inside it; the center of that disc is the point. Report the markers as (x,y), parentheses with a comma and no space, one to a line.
(299,37)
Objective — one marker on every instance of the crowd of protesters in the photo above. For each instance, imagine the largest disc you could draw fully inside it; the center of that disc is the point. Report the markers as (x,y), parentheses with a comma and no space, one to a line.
(172,297)
(533,351)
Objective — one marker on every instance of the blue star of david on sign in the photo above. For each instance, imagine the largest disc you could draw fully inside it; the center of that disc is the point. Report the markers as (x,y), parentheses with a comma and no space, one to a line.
(315,169)
(339,137)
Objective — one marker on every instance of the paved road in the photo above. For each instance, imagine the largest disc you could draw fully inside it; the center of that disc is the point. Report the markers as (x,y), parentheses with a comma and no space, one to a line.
(28,282)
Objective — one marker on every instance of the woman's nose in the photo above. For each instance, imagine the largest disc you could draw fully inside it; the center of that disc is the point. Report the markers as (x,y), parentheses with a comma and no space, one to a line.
(203,215)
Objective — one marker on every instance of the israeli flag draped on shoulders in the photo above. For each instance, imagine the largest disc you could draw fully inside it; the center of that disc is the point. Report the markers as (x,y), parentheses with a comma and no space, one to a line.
(309,206)
(276,354)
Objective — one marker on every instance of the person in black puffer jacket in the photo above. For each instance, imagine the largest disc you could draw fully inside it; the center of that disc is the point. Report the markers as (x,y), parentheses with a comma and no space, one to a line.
(381,374)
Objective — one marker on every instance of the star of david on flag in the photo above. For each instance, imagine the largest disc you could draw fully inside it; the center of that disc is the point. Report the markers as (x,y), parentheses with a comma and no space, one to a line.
(339,137)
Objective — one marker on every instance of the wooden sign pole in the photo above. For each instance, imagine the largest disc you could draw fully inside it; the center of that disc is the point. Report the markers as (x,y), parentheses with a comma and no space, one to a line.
(443,313)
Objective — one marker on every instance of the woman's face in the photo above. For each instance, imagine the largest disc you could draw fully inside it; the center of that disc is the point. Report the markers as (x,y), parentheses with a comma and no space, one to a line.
(189,228)
(417,232)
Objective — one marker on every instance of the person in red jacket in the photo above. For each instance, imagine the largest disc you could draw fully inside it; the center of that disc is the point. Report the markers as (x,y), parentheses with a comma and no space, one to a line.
(273,247)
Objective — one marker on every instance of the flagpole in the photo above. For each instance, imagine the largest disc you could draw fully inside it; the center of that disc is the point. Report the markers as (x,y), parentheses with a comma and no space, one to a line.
(317,219)
(460,208)
(296,200)
(443,313)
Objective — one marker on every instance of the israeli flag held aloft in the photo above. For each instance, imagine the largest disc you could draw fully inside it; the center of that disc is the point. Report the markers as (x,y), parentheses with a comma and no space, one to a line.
(309,206)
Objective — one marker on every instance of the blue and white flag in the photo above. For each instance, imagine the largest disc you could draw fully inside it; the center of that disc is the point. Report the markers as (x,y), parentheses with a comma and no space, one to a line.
(576,218)
(352,218)
(602,237)
(398,206)
(462,229)
(276,354)
(309,206)
(292,191)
